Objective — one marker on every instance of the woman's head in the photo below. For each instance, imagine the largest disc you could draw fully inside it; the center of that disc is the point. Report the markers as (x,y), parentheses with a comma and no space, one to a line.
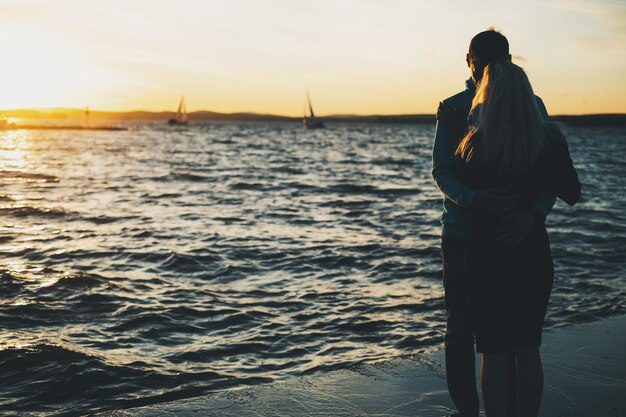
(508,120)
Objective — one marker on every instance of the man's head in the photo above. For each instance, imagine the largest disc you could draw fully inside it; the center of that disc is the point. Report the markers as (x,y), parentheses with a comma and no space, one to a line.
(486,47)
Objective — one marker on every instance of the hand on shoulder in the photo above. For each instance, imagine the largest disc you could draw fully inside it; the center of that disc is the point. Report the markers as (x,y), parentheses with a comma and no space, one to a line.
(452,118)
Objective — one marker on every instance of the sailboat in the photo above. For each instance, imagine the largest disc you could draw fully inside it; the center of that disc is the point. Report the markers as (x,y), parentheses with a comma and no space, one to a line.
(181,114)
(310,121)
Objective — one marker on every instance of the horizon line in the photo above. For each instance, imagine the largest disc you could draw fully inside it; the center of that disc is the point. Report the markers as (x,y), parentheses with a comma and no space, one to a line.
(251,112)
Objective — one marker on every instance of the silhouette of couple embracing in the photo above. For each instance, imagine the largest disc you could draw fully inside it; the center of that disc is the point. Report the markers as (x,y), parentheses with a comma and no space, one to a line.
(500,164)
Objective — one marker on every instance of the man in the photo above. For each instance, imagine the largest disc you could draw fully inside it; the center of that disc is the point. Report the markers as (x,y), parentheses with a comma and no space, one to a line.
(459,201)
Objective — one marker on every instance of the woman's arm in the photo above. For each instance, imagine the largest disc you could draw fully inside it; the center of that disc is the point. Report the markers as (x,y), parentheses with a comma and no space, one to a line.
(564,178)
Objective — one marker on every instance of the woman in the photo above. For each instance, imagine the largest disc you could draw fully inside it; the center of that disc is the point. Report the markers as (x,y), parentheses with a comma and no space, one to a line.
(511,147)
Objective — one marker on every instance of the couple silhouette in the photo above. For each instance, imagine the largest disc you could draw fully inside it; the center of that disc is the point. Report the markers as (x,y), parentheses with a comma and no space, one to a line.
(500,164)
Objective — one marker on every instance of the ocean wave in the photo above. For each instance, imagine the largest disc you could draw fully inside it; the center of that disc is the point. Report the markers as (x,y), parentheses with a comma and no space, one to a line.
(182,176)
(33,211)
(371,189)
(77,381)
(27,176)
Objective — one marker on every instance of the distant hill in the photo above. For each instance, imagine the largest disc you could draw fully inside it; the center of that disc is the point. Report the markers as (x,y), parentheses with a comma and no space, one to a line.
(67,114)
(593,120)
(140,115)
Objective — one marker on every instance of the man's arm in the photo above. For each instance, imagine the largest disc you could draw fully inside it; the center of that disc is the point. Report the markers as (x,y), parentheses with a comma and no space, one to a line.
(543,206)
(443,169)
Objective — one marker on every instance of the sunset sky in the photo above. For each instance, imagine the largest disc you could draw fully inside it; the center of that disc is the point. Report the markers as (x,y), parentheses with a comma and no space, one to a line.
(355,56)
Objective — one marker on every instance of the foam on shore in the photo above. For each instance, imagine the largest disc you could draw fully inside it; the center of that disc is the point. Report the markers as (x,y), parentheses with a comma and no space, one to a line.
(585,375)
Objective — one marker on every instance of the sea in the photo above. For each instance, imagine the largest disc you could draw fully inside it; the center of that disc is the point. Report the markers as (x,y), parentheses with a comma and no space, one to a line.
(161,263)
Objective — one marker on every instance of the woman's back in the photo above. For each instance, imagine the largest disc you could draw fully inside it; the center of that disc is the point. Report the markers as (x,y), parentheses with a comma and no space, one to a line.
(510,284)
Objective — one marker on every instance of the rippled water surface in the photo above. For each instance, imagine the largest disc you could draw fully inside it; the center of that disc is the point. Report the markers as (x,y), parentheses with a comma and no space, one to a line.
(156,264)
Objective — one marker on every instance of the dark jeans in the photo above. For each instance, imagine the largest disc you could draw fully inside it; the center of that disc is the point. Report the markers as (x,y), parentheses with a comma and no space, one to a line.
(459,339)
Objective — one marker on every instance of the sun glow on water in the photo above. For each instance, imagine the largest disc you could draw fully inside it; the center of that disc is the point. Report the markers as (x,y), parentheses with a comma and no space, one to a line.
(15,148)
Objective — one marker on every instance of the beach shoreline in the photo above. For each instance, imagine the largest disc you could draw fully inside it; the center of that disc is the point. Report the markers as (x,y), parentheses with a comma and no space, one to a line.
(584,365)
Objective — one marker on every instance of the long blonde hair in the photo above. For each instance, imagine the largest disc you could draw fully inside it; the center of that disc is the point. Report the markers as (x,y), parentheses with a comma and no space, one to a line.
(508,120)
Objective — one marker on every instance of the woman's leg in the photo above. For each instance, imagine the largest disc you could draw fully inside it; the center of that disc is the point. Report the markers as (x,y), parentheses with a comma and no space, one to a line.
(529,381)
(494,380)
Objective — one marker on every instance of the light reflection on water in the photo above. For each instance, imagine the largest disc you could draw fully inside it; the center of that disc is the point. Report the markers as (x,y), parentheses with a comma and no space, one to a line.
(14,149)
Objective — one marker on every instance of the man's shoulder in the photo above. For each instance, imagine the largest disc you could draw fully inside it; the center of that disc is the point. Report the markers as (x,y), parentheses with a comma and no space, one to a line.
(458,98)
(542,107)
(539,100)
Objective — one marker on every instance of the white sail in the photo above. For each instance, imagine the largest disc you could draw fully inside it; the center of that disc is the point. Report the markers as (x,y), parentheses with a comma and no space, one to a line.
(310,121)
(181,113)
(308,98)
(181,116)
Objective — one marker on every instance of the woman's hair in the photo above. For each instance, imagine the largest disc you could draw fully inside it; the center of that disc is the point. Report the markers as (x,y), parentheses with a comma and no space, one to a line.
(507,121)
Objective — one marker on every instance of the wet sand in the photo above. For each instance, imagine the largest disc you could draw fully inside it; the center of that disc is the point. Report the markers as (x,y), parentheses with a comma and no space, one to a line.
(585,375)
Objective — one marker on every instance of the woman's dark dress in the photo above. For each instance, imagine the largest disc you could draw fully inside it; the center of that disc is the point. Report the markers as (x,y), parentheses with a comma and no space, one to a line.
(510,285)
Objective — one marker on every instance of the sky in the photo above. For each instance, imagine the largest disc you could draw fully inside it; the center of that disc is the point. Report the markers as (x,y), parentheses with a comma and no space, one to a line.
(355,56)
